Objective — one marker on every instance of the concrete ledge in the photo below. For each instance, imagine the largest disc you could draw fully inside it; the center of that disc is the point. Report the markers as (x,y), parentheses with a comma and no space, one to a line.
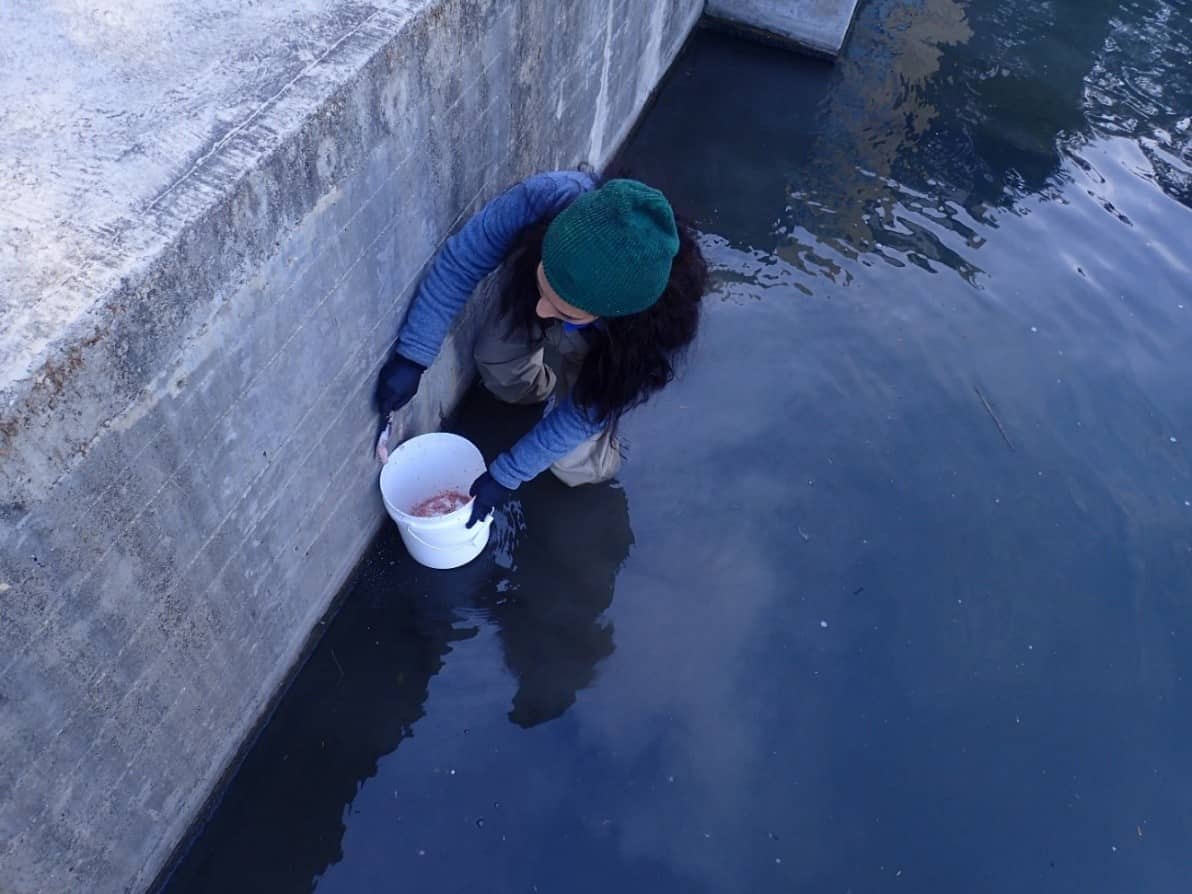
(199,277)
(818,27)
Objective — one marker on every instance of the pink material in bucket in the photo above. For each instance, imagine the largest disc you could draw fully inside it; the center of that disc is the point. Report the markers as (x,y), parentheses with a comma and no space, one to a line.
(443,503)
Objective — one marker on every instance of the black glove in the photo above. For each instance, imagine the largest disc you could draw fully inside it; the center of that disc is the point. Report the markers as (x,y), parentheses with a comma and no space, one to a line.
(397,384)
(490,495)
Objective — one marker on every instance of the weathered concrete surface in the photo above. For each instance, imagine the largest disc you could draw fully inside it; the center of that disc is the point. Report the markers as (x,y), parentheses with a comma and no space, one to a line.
(818,26)
(215,213)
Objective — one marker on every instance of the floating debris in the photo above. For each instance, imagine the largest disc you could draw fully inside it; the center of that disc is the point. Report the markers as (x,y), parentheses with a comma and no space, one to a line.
(993,416)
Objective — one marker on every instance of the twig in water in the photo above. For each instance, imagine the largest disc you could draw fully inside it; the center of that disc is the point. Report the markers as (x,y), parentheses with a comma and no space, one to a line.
(338,666)
(993,416)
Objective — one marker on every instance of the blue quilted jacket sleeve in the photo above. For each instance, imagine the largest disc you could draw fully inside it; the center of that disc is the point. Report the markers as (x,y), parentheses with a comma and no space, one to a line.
(465,259)
(561,430)
(475,252)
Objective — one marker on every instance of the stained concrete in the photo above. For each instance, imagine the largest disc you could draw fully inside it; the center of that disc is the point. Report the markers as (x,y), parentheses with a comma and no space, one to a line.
(816,26)
(215,216)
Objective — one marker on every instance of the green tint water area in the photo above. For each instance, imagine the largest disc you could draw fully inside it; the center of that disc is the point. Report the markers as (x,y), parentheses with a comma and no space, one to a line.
(894,588)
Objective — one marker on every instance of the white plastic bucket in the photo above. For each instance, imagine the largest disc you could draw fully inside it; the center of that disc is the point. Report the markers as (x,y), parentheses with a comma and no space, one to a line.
(420,469)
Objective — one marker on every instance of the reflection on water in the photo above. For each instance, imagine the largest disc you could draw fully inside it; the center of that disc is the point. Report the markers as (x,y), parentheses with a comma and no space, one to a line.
(874,171)
(1026,88)
(900,566)
(878,109)
(549,603)
(1139,87)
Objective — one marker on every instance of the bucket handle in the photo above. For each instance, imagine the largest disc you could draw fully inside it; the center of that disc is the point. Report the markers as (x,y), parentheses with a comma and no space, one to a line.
(480,529)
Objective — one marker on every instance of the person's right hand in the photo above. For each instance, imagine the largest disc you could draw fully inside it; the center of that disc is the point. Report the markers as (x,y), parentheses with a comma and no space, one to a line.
(489,495)
(397,384)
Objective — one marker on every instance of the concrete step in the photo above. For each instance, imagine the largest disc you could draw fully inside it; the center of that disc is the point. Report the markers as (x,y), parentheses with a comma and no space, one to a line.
(813,26)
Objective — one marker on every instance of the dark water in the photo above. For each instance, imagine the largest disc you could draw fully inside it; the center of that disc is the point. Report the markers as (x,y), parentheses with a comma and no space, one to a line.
(835,630)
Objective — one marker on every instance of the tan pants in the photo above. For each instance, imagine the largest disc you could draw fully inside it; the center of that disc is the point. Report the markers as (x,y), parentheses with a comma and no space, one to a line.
(518,371)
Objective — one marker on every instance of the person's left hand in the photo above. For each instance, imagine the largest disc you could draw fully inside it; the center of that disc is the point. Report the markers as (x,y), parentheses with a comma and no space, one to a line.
(489,494)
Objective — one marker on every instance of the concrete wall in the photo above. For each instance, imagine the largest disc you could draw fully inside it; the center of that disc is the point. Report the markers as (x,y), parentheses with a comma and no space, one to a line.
(185,427)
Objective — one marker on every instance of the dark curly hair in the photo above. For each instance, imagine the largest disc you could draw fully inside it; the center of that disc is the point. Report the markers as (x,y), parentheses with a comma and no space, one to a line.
(631,357)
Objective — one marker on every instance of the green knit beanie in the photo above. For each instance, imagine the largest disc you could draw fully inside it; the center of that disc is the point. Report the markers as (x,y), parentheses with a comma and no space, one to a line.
(609,252)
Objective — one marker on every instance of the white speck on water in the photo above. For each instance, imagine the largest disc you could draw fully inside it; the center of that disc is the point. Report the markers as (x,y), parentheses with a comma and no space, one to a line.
(1030,648)
(452,772)
(778,859)
(824,624)
(1034,329)
(1113,847)
(670,778)
(1172,439)
(421,852)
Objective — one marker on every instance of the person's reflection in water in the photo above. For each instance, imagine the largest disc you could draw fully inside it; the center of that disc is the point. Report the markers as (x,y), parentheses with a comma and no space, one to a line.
(564,569)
